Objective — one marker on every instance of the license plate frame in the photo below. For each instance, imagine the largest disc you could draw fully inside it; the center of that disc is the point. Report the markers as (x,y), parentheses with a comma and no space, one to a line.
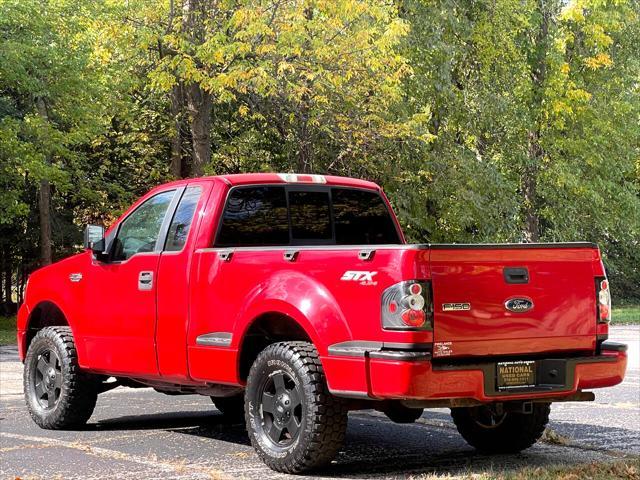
(516,374)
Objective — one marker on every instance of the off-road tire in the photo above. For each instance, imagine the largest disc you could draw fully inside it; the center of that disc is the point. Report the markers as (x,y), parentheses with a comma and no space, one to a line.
(323,417)
(232,408)
(77,391)
(513,433)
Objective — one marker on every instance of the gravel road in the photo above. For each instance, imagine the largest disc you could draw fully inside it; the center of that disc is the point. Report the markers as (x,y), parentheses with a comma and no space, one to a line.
(138,433)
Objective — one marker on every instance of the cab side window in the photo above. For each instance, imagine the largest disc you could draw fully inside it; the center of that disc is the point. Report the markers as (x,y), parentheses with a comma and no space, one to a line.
(362,218)
(182,219)
(139,232)
(254,216)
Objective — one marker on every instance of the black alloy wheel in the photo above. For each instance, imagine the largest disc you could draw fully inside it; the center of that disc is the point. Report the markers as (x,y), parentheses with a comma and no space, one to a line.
(293,421)
(505,432)
(59,395)
(281,409)
(47,379)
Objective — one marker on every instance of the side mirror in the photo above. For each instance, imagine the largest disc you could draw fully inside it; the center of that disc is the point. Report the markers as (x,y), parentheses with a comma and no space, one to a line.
(94,240)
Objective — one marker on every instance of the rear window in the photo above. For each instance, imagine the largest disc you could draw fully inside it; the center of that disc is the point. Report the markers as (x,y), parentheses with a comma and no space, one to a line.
(362,218)
(310,215)
(292,215)
(255,216)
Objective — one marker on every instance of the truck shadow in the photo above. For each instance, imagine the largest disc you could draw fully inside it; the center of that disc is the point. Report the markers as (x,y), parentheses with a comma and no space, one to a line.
(375,447)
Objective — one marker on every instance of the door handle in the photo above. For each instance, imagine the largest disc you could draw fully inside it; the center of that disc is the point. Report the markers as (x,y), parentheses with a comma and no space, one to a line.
(516,275)
(145,281)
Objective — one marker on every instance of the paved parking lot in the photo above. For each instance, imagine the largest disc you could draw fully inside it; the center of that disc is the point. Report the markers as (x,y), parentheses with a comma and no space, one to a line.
(142,434)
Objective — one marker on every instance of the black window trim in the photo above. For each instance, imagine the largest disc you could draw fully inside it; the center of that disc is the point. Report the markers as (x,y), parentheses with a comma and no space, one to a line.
(174,211)
(164,227)
(311,243)
(296,242)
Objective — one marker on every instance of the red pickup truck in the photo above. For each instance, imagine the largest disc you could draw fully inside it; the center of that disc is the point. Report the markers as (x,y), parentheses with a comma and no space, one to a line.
(292,299)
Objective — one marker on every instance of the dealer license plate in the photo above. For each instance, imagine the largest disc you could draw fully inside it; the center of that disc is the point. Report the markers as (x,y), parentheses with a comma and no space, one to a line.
(516,374)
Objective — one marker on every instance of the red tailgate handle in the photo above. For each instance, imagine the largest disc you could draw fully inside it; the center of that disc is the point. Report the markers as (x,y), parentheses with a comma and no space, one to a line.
(516,275)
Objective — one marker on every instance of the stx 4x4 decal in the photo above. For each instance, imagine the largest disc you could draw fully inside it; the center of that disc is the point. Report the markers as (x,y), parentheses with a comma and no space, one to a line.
(362,276)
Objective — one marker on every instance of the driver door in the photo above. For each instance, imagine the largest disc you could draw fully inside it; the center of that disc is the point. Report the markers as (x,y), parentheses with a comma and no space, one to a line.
(121,293)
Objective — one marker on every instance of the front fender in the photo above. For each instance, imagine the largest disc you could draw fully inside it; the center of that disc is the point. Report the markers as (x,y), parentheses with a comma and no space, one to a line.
(302,298)
(52,285)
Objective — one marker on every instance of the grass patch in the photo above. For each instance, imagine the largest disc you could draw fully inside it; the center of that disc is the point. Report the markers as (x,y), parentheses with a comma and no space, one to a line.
(619,470)
(551,436)
(7,330)
(625,315)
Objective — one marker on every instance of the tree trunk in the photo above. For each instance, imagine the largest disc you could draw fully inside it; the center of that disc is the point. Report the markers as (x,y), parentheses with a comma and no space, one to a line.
(304,143)
(21,279)
(44,209)
(177,103)
(305,151)
(530,189)
(199,102)
(44,201)
(200,105)
(535,152)
(8,283)
(3,263)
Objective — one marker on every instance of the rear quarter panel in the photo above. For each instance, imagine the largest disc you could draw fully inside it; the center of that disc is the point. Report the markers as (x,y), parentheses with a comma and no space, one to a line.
(227,296)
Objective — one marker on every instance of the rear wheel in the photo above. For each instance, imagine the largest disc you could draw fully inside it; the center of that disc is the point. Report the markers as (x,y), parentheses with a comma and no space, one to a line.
(294,423)
(505,432)
(58,394)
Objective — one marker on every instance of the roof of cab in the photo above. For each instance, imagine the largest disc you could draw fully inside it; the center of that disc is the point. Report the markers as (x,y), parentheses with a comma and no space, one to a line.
(285,178)
(249,178)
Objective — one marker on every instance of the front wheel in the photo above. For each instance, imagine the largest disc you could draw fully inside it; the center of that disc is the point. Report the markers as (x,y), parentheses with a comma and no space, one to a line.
(506,432)
(294,423)
(58,394)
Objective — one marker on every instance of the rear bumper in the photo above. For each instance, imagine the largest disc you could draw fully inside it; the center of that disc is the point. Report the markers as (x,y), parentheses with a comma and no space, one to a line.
(411,375)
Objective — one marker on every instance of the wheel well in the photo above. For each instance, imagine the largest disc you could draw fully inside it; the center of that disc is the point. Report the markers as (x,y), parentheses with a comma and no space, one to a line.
(267,329)
(46,314)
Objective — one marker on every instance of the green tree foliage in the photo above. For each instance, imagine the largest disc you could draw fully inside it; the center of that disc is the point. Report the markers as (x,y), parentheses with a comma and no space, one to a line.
(307,85)
(64,154)
(47,87)
(535,113)
(497,120)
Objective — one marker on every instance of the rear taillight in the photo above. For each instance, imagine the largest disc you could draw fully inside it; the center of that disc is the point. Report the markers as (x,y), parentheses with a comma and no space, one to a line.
(604,300)
(407,306)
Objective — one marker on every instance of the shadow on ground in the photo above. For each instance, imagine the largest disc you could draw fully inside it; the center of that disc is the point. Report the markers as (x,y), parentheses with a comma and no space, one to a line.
(376,447)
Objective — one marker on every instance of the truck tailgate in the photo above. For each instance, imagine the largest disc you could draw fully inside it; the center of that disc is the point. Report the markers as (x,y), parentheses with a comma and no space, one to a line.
(514,299)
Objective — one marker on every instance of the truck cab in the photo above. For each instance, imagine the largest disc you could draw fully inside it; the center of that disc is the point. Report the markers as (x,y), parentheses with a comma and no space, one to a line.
(292,299)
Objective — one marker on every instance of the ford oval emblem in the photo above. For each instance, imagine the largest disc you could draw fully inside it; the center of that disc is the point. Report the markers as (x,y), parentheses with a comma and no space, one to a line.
(518,305)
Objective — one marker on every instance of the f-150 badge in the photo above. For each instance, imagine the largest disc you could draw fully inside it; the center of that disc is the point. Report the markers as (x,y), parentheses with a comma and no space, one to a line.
(455,307)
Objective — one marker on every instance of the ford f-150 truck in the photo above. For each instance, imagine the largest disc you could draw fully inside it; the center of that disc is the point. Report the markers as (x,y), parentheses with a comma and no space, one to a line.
(292,299)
